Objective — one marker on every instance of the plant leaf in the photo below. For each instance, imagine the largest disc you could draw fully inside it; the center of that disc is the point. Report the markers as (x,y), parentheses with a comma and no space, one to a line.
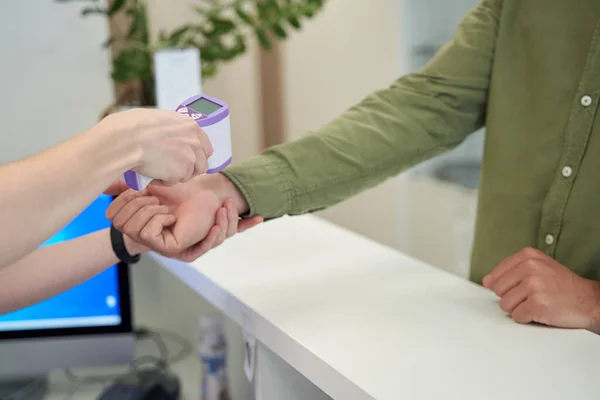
(202,11)
(273,7)
(92,10)
(240,44)
(279,31)
(243,15)
(177,35)
(115,7)
(263,39)
(263,10)
(208,69)
(310,8)
(143,36)
(222,25)
(138,28)
(162,35)
(207,12)
(294,21)
(108,42)
(131,65)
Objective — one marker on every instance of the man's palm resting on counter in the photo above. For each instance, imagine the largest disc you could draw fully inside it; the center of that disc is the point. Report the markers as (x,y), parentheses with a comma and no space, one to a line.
(529,71)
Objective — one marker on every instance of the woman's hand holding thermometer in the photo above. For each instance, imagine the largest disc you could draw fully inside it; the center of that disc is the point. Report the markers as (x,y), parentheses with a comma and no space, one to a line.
(212,116)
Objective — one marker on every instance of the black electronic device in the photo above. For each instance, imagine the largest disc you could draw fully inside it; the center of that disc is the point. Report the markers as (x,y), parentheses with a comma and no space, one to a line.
(144,384)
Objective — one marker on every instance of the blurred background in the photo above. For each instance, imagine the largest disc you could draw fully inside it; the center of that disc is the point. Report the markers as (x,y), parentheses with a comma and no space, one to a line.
(55,80)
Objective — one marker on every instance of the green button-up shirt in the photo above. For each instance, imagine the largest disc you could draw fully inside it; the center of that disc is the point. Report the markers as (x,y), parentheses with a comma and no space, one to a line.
(529,70)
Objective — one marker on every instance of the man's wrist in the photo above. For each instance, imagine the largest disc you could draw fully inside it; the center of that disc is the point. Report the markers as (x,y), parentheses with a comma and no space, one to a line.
(226,189)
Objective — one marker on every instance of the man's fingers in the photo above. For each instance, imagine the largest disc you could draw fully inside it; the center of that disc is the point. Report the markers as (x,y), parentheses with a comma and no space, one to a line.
(505,265)
(514,298)
(129,209)
(523,314)
(509,263)
(202,247)
(117,204)
(222,223)
(246,224)
(232,219)
(142,217)
(156,235)
(511,278)
(116,188)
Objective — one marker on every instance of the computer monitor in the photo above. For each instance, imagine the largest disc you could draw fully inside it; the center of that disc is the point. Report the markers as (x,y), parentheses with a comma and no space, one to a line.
(89,325)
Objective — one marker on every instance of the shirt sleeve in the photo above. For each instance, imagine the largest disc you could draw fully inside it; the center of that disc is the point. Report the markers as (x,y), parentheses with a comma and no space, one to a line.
(419,116)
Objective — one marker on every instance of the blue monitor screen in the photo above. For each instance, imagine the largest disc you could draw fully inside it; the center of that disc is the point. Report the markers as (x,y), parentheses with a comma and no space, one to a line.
(92,303)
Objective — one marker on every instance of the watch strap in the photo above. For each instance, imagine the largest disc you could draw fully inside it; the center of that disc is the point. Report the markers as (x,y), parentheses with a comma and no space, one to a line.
(117,242)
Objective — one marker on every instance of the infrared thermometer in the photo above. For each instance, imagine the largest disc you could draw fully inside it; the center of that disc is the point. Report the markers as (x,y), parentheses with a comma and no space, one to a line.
(212,115)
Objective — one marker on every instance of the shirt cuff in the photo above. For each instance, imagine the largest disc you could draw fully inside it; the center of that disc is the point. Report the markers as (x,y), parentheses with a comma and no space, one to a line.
(261,180)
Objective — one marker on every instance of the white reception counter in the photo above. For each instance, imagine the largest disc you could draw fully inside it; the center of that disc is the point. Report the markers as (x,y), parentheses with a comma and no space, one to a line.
(362,321)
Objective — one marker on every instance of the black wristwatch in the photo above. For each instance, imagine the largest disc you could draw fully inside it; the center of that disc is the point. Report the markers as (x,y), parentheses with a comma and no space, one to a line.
(118,245)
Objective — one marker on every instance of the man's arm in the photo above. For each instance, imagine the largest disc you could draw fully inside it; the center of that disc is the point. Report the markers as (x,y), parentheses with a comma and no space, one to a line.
(51,270)
(421,115)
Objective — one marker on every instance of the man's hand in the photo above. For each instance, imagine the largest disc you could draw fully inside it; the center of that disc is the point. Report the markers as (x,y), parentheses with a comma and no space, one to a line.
(183,222)
(536,288)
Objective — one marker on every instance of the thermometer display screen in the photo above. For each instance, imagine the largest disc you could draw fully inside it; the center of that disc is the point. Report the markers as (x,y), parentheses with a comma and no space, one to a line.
(204,106)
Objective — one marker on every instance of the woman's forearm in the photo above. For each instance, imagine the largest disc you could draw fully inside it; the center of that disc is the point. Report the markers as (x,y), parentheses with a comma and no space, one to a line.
(54,269)
(41,194)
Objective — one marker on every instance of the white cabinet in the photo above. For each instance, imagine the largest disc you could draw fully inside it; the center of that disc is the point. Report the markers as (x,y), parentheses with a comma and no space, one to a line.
(442,222)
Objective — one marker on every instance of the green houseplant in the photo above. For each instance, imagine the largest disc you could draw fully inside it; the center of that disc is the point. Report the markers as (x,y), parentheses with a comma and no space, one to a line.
(221,32)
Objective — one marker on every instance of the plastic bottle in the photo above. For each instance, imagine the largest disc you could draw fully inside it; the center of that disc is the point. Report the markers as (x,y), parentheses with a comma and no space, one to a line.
(212,351)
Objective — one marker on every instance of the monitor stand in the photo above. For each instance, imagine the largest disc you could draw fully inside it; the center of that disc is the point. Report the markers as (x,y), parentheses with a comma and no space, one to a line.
(30,388)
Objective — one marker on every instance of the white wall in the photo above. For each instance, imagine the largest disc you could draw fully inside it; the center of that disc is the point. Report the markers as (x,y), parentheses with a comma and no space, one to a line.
(54,78)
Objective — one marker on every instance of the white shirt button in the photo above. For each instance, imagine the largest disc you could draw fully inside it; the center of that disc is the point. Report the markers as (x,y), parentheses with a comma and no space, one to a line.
(567,171)
(549,239)
(586,101)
